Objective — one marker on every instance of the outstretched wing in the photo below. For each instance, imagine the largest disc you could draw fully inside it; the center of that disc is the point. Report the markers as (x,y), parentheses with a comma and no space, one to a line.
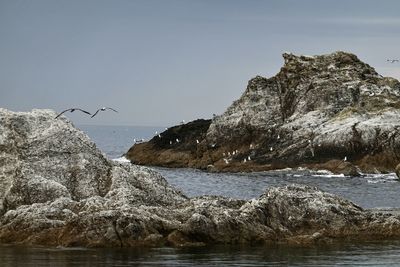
(95,113)
(63,112)
(112,109)
(87,112)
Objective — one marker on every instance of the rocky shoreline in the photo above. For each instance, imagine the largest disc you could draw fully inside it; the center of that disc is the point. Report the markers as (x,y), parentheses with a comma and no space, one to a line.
(58,189)
(331,112)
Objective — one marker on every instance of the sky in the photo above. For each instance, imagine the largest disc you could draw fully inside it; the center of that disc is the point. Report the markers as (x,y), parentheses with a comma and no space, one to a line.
(159,62)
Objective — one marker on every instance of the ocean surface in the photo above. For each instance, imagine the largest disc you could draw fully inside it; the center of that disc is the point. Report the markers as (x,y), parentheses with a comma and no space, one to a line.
(380,191)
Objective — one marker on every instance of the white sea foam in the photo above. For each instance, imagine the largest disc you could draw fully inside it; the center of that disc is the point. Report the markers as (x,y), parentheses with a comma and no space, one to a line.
(373,178)
(122,160)
(329,175)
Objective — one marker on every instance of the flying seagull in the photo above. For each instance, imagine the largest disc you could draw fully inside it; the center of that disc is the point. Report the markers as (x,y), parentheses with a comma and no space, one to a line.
(72,110)
(392,60)
(103,109)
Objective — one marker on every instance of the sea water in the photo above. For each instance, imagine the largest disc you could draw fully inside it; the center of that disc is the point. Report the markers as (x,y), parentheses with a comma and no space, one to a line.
(369,191)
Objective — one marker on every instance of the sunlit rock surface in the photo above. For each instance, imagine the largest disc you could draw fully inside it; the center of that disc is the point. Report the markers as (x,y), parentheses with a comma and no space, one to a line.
(329,111)
(58,189)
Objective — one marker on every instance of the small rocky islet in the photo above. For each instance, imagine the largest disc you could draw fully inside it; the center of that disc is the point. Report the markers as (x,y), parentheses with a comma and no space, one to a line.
(58,189)
(331,112)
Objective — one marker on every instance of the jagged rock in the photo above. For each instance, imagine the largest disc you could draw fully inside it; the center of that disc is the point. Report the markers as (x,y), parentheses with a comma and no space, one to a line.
(58,189)
(316,109)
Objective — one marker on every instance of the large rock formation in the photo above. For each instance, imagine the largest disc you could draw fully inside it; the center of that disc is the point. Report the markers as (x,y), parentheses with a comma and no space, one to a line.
(58,189)
(330,111)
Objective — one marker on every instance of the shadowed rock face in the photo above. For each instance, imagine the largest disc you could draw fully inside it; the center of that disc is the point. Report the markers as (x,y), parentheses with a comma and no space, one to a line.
(317,111)
(58,189)
(175,147)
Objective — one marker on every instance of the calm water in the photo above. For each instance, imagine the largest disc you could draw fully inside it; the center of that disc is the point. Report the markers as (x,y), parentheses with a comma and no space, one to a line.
(368,191)
(365,254)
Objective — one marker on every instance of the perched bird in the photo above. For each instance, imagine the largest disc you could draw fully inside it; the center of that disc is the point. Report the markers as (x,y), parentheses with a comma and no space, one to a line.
(197,141)
(248,158)
(170,142)
(271,148)
(345,158)
(103,109)
(177,140)
(72,110)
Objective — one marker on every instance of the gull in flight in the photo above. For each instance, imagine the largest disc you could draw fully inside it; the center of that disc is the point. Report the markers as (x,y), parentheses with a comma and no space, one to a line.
(72,110)
(103,109)
(392,60)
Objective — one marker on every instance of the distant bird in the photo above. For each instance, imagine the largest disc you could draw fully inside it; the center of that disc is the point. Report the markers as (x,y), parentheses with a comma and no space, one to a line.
(345,159)
(392,60)
(248,158)
(251,146)
(197,141)
(103,109)
(183,122)
(271,148)
(177,140)
(72,110)
(244,160)
(159,135)
(170,142)
(278,137)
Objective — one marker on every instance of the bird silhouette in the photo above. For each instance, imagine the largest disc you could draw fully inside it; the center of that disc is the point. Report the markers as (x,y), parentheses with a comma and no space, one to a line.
(392,60)
(72,110)
(103,109)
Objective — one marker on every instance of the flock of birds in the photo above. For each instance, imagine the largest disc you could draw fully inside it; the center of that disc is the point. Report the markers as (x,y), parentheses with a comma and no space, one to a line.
(84,111)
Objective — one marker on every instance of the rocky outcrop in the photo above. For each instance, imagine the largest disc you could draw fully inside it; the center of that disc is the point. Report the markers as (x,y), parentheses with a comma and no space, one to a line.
(331,110)
(58,189)
(174,147)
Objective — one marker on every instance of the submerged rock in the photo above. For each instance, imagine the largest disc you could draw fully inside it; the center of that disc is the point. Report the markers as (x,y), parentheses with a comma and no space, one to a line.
(58,189)
(315,110)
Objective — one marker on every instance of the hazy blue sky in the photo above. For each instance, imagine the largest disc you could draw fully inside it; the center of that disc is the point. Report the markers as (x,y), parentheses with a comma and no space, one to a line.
(159,62)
